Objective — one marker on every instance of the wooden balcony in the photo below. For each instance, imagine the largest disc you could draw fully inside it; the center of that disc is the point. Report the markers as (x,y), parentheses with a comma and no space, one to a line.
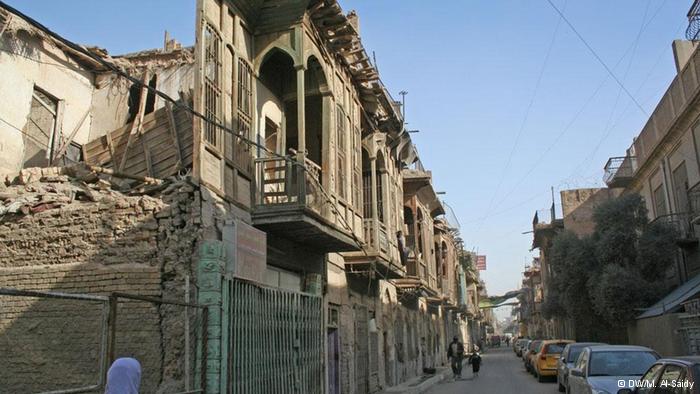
(290,203)
(381,249)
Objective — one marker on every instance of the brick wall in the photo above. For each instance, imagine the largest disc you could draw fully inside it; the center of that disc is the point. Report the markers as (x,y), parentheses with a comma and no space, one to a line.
(79,235)
(50,344)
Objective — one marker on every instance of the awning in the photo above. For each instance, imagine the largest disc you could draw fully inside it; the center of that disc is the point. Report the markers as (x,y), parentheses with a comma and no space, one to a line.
(672,302)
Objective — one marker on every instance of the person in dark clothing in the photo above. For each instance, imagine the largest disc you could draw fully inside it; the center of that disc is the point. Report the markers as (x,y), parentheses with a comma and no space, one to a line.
(455,353)
(475,361)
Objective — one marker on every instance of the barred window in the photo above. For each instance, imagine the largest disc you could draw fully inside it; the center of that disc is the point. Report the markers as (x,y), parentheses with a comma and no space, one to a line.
(212,86)
(245,87)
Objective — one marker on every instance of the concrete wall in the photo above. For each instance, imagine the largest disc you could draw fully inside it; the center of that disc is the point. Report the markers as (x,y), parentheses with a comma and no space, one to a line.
(27,61)
(660,333)
(578,206)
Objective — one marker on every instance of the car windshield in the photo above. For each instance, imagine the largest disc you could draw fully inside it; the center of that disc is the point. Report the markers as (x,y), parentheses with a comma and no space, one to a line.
(555,348)
(620,363)
(574,352)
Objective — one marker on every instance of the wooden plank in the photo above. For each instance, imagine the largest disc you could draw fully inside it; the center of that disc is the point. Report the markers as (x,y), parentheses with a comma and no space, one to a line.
(72,134)
(138,122)
(147,156)
(173,130)
(110,146)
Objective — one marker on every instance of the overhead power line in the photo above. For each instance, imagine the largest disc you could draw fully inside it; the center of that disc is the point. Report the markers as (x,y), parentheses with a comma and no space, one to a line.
(525,117)
(598,58)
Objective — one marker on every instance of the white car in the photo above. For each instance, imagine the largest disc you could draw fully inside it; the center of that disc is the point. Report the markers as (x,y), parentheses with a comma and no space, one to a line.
(599,369)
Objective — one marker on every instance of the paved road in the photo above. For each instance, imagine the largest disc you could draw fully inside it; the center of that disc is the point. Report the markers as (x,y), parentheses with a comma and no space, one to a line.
(501,373)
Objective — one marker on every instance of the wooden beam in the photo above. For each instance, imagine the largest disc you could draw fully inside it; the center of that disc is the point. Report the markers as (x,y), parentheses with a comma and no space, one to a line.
(72,134)
(173,129)
(147,157)
(138,121)
(110,146)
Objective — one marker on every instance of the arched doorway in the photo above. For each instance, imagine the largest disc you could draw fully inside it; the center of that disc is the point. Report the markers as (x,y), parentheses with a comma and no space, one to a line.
(277,99)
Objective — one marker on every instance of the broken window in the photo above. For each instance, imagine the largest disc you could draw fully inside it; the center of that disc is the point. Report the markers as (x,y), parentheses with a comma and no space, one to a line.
(212,85)
(135,99)
(39,132)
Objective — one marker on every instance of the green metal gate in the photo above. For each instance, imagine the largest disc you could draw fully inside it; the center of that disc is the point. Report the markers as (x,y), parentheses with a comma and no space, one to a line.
(276,339)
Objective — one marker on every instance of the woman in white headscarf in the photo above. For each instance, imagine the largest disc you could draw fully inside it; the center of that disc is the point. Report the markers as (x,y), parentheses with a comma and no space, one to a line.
(124,376)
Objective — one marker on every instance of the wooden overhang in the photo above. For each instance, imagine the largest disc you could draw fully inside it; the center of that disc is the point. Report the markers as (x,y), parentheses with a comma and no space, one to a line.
(372,260)
(419,183)
(414,284)
(303,225)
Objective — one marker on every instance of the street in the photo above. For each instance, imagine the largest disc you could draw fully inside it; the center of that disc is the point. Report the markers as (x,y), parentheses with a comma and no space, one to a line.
(501,373)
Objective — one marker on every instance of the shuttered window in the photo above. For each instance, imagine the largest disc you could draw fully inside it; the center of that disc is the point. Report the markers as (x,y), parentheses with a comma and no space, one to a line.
(341,159)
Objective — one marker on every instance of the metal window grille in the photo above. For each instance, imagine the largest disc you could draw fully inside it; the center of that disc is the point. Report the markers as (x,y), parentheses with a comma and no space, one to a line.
(212,85)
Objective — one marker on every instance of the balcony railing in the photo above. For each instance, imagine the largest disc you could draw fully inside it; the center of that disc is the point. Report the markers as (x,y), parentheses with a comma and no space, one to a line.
(619,171)
(279,183)
(380,242)
(682,224)
(694,201)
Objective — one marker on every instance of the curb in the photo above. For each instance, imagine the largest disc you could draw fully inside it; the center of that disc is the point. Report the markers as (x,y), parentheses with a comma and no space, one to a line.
(419,385)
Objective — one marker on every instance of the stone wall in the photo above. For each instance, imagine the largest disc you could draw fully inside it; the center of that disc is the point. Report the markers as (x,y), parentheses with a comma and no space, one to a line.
(69,231)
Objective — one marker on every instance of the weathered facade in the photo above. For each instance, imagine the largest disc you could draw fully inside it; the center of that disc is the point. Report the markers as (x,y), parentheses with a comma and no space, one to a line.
(663,166)
(264,173)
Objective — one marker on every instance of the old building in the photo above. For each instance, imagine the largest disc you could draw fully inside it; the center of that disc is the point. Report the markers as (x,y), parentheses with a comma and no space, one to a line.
(256,189)
(532,323)
(663,166)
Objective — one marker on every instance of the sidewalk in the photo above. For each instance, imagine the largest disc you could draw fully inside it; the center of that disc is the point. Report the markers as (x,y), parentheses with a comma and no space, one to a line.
(420,384)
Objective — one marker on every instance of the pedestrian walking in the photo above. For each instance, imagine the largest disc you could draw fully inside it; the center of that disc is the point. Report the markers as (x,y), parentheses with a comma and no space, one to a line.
(455,353)
(475,361)
(124,376)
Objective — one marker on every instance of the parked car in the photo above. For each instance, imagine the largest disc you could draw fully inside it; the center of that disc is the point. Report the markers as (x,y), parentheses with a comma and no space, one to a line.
(532,349)
(684,371)
(567,360)
(518,346)
(545,361)
(522,346)
(606,369)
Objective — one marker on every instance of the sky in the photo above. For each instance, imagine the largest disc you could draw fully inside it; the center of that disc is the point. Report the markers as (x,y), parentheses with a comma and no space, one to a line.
(508,101)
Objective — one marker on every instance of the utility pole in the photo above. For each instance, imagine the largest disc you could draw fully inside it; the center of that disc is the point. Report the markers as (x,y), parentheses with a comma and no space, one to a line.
(403,94)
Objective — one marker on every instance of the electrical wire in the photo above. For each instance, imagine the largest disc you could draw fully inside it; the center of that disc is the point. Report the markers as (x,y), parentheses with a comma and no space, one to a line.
(600,60)
(526,117)
(576,116)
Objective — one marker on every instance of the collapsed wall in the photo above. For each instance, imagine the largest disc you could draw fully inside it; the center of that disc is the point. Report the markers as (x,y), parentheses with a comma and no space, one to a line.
(68,230)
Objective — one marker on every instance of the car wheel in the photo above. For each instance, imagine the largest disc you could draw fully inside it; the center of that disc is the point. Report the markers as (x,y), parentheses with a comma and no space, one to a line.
(561,387)
(540,378)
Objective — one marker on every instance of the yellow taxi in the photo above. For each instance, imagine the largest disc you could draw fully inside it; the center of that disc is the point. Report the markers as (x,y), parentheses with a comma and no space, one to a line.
(544,363)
